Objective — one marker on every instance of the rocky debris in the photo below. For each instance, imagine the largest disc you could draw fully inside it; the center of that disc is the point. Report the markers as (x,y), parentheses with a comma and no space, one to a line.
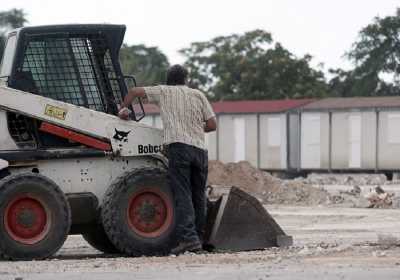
(378,198)
(386,241)
(378,254)
(346,179)
(355,191)
(306,192)
(395,202)
(263,185)
(350,198)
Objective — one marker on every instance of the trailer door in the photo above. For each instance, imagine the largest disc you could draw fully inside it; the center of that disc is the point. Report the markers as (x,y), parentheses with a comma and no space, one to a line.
(239,138)
(355,141)
(311,141)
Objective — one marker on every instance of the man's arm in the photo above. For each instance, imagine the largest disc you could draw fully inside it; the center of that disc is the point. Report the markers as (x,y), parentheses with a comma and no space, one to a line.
(152,94)
(208,115)
(132,94)
(211,125)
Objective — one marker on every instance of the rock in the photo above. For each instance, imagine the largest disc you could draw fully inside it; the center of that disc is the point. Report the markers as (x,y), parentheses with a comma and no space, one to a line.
(378,254)
(378,198)
(396,202)
(388,240)
(304,252)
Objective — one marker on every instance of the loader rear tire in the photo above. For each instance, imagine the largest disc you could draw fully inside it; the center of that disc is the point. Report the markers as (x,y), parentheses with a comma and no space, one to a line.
(99,240)
(35,217)
(138,213)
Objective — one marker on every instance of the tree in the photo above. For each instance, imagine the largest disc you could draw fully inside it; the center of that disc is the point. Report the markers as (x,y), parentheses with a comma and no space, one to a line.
(351,83)
(11,19)
(376,56)
(147,64)
(251,66)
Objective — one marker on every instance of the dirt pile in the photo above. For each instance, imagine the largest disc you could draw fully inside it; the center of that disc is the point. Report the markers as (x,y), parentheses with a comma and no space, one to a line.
(263,185)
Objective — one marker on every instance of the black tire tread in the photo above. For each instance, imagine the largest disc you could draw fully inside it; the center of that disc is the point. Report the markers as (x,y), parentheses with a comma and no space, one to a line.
(33,177)
(108,211)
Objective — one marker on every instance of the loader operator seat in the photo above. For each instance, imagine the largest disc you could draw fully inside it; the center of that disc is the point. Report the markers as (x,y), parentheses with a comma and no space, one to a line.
(24,81)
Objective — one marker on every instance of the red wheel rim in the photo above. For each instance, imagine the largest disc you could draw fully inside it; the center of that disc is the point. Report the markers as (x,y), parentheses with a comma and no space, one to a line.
(149,212)
(26,219)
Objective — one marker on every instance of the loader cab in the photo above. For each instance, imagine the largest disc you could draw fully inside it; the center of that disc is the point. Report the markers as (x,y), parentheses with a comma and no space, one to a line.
(77,64)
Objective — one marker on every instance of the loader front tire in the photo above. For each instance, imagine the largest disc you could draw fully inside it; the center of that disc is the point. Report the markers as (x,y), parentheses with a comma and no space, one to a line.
(35,217)
(138,213)
(99,240)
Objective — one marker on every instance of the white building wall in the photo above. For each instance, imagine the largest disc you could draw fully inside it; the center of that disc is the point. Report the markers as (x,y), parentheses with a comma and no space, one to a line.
(389,140)
(211,144)
(237,138)
(352,140)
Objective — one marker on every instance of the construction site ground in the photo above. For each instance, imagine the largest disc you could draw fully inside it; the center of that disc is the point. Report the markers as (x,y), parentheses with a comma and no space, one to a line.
(329,243)
(335,236)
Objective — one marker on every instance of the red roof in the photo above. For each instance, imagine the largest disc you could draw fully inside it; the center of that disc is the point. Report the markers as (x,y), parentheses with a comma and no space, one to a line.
(258,106)
(354,103)
(247,106)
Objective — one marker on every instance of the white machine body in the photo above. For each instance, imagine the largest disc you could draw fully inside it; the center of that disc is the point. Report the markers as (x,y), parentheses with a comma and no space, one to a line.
(134,145)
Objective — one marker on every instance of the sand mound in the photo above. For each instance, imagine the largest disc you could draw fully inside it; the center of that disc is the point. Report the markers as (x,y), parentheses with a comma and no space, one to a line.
(263,185)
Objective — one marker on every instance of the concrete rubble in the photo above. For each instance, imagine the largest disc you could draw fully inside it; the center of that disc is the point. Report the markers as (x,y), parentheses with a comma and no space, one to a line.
(378,198)
(346,179)
(356,190)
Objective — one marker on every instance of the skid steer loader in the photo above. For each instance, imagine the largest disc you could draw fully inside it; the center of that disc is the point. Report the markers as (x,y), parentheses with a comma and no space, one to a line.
(68,165)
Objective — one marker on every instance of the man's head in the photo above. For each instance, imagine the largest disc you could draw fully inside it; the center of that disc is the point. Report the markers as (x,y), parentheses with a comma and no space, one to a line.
(176,75)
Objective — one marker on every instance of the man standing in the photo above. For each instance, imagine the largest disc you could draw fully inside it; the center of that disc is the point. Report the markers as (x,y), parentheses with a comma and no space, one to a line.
(186,115)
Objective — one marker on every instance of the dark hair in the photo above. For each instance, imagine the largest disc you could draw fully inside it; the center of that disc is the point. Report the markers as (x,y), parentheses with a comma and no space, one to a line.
(176,75)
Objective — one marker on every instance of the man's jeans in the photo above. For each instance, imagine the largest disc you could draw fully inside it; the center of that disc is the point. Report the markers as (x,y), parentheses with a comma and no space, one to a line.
(187,175)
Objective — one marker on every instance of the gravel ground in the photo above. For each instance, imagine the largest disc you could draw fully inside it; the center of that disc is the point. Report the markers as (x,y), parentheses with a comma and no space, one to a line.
(330,243)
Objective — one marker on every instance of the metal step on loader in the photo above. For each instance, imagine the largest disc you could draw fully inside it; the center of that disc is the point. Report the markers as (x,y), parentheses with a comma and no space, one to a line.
(68,165)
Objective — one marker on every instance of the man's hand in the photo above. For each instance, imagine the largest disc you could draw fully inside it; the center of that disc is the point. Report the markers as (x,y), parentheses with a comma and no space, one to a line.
(124,113)
(211,125)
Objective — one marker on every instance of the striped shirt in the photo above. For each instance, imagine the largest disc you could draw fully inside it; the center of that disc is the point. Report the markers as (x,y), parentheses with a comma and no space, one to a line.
(183,112)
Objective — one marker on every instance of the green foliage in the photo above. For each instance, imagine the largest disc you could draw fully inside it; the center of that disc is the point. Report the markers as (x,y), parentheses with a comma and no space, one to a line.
(376,54)
(12,19)
(9,20)
(148,64)
(251,66)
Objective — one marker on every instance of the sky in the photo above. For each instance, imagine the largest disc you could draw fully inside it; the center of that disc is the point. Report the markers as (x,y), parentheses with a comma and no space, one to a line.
(324,29)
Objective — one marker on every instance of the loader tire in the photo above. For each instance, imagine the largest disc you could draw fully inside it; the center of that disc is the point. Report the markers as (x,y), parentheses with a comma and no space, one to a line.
(138,213)
(99,240)
(35,217)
